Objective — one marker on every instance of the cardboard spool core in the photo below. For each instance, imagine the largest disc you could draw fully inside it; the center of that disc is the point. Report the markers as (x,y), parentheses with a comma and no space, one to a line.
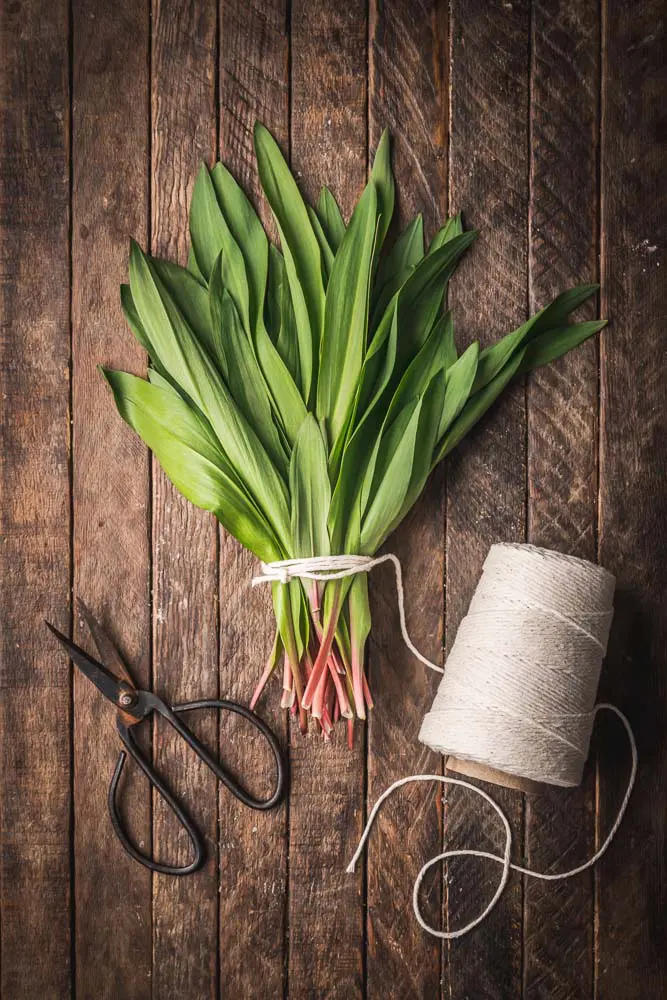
(472,769)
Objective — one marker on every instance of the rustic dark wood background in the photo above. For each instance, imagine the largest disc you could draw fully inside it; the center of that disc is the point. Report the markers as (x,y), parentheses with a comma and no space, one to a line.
(539,120)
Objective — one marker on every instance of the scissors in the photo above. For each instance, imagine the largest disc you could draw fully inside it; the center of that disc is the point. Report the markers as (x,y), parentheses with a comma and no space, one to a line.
(113,680)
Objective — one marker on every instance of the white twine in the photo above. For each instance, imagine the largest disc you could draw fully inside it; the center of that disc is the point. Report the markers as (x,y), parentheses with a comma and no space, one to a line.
(504,858)
(519,689)
(336,568)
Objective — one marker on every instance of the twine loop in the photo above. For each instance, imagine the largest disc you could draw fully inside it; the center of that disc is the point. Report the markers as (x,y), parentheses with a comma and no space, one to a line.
(518,694)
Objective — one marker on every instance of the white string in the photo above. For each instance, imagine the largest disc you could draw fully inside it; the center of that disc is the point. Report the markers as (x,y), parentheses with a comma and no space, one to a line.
(336,568)
(504,858)
(592,588)
(522,674)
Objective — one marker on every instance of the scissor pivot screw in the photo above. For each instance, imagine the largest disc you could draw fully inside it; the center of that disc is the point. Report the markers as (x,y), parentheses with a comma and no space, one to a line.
(126,699)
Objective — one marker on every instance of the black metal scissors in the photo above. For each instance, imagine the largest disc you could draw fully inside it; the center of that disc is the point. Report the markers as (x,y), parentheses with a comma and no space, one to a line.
(134,705)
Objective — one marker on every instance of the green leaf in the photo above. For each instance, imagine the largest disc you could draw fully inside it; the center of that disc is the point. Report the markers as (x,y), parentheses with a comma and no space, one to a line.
(420,371)
(243,374)
(300,248)
(492,360)
(310,491)
(280,314)
(451,229)
(460,379)
(557,312)
(277,349)
(396,266)
(346,317)
(287,344)
(132,318)
(383,179)
(427,436)
(193,266)
(419,301)
(330,218)
(477,405)
(276,278)
(284,392)
(543,342)
(325,249)
(392,477)
(249,236)
(449,344)
(554,344)
(207,226)
(379,366)
(360,449)
(189,454)
(413,385)
(188,363)
(192,300)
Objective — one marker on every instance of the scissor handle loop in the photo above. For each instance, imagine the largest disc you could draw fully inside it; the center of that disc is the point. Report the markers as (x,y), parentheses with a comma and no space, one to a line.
(203,753)
(155,780)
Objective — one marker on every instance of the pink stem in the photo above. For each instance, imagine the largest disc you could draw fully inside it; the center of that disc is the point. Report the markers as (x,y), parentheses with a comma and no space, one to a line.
(287,699)
(318,696)
(367,692)
(330,700)
(343,700)
(325,723)
(303,716)
(266,673)
(320,664)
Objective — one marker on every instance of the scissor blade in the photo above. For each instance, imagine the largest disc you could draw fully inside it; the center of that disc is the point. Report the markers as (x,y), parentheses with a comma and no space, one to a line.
(103,679)
(110,655)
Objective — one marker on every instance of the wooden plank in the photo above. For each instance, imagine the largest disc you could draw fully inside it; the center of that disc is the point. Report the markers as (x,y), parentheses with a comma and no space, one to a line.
(328,145)
(253,846)
(633,496)
(111,480)
(35,722)
(487,474)
(562,453)
(185,610)
(408,59)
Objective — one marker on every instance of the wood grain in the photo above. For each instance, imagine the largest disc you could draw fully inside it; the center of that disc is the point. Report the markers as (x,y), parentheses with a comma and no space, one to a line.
(487,474)
(633,496)
(185,609)
(34,503)
(77,917)
(562,453)
(328,145)
(253,845)
(110,482)
(408,58)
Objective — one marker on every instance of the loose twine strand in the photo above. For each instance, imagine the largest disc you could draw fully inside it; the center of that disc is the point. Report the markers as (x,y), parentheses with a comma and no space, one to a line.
(504,858)
(519,690)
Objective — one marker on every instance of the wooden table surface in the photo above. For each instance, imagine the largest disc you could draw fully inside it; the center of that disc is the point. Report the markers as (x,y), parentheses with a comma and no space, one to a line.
(538,120)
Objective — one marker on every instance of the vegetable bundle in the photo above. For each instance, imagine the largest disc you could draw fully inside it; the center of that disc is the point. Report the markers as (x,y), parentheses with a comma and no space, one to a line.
(304,394)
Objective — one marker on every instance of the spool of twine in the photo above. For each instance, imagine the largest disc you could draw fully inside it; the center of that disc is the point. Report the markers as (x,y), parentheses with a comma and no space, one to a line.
(515,704)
